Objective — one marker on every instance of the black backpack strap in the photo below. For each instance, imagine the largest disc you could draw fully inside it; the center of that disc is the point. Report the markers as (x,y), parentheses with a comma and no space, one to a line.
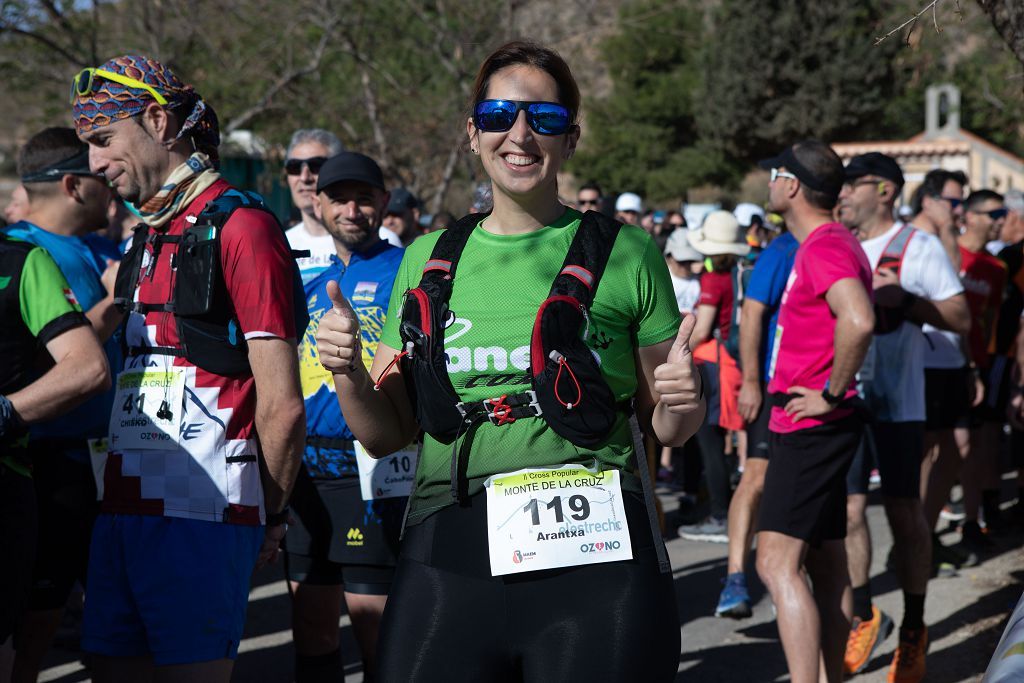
(644,473)
(439,270)
(587,257)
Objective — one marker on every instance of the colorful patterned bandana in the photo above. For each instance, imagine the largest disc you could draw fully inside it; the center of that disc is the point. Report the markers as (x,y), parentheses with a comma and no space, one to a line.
(107,102)
(185,183)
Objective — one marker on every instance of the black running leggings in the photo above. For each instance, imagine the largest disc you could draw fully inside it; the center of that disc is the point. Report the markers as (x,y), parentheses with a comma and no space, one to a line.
(447,619)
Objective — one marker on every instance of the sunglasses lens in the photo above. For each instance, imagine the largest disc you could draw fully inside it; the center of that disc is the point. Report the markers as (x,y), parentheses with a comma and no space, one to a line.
(548,118)
(315,164)
(997,214)
(294,166)
(495,116)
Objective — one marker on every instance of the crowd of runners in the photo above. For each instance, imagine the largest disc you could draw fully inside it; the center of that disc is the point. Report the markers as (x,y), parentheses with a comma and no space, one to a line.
(452,428)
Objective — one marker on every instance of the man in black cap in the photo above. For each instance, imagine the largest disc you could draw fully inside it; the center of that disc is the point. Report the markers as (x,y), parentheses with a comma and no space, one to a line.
(822,334)
(914,284)
(402,217)
(345,538)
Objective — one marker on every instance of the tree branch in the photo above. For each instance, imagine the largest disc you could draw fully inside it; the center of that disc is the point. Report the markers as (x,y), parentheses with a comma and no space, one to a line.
(912,21)
(283,82)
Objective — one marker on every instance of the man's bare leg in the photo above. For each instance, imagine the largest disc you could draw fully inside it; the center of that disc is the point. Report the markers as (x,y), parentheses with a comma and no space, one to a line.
(827,569)
(743,511)
(779,559)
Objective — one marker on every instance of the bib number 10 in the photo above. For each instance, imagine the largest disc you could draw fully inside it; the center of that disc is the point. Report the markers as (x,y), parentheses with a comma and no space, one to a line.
(579,505)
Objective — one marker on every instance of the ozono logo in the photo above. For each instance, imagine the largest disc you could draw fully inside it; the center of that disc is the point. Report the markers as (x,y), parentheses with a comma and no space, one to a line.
(600,547)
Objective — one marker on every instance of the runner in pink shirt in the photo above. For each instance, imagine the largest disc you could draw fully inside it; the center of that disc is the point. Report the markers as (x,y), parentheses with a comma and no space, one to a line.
(825,326)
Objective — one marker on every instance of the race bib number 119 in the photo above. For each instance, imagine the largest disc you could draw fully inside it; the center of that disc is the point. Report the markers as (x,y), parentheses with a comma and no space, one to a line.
(555,517)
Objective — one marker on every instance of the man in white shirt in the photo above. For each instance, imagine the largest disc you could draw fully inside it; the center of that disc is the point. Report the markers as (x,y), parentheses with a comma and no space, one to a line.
(307,152)
(914,283)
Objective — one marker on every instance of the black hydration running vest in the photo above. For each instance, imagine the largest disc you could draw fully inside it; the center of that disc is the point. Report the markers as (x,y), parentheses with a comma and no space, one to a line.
(568,390)
(203,312)
(16,342)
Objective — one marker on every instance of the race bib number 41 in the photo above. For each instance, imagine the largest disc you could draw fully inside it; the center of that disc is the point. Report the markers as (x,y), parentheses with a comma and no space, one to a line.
(555,517)
(147,409)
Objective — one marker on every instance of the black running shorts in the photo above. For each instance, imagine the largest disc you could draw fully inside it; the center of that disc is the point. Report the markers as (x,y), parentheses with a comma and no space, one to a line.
(805,485)
(67,509)
(946,397)
(758,436)
(899,447)
(338,538)
(18,529)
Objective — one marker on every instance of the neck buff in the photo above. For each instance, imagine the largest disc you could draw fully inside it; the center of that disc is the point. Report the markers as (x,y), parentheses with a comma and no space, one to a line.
(185,183)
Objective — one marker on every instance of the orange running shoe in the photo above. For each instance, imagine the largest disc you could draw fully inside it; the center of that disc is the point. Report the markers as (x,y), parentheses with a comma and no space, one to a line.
(865,637)
(908,661)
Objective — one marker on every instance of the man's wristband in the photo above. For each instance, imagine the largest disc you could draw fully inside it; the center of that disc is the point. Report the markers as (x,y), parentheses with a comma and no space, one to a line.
(277,518)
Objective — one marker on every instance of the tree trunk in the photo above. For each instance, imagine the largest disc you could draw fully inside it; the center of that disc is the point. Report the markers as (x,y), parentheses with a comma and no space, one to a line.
(1008,18)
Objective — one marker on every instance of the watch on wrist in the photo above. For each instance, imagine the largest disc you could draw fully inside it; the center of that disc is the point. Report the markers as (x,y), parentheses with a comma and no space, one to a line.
(277,518)
(831,399)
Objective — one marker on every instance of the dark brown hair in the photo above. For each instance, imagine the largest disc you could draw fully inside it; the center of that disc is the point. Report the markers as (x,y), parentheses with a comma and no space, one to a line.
(46,148)
(523,53)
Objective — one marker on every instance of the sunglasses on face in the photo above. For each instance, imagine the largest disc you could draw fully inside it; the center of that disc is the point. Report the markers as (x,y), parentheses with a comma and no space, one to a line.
(776,174)
(994,214)
(85,83)
(954,202)
(498,116)
(588,202)
(294,166)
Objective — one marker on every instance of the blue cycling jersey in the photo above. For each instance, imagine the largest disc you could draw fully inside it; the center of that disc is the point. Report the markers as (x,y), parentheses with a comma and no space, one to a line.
(82,260)
(767,284)
(366,282)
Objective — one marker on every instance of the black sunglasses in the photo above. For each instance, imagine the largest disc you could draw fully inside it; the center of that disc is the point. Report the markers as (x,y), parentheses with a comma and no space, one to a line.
(588,202)
(498,116)
(994,214)
(294,166)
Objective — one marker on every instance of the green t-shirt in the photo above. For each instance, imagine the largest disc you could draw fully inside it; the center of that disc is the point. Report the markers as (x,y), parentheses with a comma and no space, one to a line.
(501,282)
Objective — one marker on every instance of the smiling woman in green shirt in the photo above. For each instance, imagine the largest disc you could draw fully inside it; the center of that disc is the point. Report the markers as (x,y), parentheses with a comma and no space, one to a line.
(530,557)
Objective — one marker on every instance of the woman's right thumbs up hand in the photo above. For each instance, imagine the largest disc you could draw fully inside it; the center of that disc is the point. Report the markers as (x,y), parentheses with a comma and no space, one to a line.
(337,336)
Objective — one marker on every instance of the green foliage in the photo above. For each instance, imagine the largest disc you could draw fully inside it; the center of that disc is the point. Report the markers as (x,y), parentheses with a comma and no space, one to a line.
(641,137)
(781,70)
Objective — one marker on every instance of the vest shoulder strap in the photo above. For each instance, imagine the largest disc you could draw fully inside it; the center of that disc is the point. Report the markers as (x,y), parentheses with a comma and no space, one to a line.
(587,257)
(896,249)
(439,270)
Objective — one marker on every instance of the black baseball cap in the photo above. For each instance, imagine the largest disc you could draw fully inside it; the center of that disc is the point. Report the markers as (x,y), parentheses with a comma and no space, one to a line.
(874,163)
(401,200)
(349,167)
(830,183)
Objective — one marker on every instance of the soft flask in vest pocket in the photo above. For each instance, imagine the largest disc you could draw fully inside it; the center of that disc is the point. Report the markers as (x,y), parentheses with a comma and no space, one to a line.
(573,395)
(422,333)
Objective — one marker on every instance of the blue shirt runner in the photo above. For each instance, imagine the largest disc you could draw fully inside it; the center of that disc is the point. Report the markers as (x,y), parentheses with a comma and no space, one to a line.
(366,282)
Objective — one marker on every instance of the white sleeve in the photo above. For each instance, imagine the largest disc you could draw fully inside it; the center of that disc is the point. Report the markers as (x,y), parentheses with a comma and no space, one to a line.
(931,275)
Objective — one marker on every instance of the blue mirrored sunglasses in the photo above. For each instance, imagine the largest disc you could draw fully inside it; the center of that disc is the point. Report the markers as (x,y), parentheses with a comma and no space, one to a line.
(498,116)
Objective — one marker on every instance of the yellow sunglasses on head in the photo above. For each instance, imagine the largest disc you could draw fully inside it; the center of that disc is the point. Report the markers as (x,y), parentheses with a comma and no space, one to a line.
(82,84)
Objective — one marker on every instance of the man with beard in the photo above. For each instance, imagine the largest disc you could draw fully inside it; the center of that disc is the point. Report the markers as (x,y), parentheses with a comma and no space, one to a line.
(345,538)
